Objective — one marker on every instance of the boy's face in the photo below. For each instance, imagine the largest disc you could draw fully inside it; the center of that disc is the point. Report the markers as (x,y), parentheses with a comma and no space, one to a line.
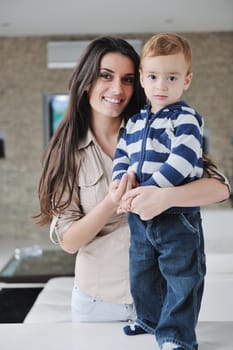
(164,79)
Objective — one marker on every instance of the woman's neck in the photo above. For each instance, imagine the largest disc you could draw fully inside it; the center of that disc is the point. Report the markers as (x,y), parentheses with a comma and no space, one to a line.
(106,132)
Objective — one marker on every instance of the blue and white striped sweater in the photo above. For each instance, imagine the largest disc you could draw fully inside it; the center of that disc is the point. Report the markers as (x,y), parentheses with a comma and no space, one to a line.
(163,149)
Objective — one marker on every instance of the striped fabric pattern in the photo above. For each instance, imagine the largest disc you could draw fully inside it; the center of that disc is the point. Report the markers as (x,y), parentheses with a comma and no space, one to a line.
(163,149)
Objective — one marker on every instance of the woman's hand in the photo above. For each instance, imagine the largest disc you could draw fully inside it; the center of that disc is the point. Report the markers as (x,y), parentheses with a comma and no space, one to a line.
(125,205)
(117,189)
(148,201)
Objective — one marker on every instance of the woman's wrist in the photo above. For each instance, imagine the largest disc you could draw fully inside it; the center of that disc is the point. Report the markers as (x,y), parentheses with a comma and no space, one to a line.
(168,195)
(110,205)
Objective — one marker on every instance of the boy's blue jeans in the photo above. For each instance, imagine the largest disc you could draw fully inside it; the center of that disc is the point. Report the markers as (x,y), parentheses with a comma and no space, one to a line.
(167,269)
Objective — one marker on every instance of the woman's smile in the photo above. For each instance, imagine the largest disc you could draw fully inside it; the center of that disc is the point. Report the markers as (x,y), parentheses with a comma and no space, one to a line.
(113,100)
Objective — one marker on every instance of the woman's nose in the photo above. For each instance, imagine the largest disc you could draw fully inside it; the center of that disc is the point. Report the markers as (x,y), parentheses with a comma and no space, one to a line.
(117,86)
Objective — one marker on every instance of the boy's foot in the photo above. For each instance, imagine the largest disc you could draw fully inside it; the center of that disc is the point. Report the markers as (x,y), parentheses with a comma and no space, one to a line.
(133,329)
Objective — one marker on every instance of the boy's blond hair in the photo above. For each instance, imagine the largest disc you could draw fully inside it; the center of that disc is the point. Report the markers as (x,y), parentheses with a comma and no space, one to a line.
(164,44)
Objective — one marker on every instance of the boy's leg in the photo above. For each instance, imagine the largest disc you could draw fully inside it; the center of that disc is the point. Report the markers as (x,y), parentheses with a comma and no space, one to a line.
(182,263)
(147,284)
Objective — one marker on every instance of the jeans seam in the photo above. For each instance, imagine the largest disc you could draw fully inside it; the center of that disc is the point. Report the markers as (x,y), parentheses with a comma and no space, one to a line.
(177,342)
(144,326)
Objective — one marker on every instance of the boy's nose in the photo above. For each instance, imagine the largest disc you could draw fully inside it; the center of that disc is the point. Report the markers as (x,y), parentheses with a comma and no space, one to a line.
(161,84)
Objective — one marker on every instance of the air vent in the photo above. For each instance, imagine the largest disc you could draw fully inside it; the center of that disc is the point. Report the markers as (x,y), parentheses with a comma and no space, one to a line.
(65,54)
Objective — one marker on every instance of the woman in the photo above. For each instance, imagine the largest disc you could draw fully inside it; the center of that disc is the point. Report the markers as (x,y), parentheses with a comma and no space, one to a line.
(73,190)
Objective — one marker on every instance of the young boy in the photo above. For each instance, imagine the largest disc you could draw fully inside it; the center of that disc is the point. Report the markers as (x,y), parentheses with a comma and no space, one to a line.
(162,145)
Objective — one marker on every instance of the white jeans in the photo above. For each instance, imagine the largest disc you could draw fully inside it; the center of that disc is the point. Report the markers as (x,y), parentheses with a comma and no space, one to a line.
(87,309)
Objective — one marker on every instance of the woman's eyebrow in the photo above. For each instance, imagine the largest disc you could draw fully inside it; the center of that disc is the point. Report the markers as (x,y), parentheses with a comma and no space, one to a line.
(107,69)
(112,71)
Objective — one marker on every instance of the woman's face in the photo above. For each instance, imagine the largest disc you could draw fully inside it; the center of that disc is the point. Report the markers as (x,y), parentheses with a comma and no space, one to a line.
(113,89)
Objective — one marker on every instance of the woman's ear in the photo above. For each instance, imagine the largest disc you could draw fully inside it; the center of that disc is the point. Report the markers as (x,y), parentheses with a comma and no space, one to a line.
(87,88)
(187,81)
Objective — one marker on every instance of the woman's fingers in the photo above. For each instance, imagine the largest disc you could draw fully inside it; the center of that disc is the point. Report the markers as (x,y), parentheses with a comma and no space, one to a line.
(122,185)
(132,193)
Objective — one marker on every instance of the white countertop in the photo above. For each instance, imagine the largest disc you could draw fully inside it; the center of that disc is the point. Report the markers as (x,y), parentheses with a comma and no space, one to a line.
(101,336)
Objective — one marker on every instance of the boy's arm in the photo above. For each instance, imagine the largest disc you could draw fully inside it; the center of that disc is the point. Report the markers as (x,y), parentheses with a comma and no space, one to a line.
(185,156)
(121,159)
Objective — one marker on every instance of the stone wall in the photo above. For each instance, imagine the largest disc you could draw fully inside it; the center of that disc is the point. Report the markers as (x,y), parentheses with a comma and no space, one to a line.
(24,78)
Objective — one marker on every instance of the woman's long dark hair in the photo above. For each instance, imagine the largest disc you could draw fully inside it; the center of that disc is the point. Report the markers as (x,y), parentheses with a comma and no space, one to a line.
(59,172)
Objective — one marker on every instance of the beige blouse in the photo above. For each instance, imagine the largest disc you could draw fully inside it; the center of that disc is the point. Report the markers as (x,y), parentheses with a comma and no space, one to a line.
(102,266)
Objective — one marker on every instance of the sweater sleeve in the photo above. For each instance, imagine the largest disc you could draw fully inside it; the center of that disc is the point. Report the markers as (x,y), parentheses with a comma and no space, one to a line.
(185,158)
(121,158)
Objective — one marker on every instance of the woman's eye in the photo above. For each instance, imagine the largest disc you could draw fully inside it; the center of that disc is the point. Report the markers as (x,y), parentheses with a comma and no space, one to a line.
(105,75)
(129,80)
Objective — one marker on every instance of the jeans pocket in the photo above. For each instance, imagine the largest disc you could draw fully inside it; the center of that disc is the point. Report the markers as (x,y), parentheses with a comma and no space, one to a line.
(189,221)
(82,303)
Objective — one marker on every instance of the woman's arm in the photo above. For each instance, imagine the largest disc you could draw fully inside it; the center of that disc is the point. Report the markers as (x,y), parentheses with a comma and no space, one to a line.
(85,229)
(150,201)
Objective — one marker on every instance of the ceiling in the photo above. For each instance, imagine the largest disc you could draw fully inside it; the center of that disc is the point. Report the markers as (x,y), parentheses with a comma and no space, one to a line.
(77,17)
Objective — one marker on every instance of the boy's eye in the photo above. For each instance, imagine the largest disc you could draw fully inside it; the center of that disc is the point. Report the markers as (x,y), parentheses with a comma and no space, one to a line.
(152,77)
(172,78)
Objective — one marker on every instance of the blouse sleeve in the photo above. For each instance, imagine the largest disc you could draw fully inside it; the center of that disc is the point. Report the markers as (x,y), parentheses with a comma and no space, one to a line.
(214,173)
(63,221)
